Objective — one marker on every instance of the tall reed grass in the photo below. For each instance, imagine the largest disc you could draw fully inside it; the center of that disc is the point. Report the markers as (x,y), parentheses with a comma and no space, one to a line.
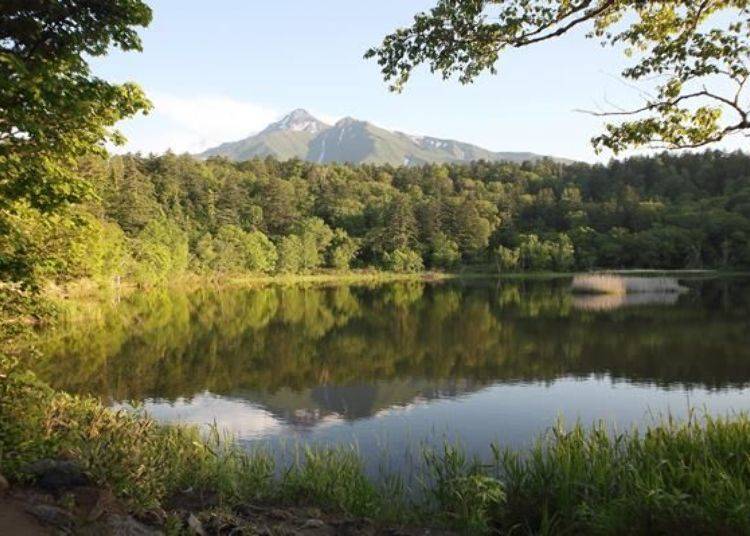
(621,285)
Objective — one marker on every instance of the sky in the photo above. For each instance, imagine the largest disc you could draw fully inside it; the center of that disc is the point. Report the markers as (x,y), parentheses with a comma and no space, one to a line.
(223,70)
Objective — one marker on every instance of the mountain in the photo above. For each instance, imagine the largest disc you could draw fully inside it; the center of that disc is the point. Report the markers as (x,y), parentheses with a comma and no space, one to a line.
(300,135)
(288,138)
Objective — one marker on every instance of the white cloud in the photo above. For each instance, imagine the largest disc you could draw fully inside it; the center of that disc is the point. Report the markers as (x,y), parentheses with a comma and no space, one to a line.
(238,417)
(214,116)
(194,123)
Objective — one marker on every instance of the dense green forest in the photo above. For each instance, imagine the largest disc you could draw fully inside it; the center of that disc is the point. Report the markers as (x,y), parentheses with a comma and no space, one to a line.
(153,218)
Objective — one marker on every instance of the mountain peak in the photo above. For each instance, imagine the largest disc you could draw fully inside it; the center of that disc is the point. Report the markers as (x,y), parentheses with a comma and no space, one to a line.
(298,120)
(346,121)
(300,135)
(300,113)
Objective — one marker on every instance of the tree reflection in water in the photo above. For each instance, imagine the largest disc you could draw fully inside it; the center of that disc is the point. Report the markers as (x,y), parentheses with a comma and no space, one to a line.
(308,353)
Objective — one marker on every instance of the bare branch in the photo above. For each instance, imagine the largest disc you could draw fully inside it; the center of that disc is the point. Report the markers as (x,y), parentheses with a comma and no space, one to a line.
(651,106)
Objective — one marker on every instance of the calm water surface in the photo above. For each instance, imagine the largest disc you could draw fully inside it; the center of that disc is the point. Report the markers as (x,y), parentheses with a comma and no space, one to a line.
(395,365)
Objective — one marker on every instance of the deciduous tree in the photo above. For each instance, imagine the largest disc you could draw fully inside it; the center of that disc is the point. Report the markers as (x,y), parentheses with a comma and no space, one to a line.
(699,50)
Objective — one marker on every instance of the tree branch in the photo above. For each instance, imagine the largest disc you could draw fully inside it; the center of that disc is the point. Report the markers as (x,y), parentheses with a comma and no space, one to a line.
(522,41)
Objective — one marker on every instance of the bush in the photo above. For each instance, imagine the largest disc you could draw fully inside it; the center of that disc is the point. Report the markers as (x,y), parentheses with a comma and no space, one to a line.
(342,250)
(556,254)
(234,251)
(403,261)
(315,236)
(290,255)
(445,252)
(67,245)
(160,252)
(506,259)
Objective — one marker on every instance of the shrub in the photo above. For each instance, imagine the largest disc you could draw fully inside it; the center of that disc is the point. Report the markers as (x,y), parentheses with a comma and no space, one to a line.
(403,261)
(445,253)
(342,250)
(506,259)
(290,255)
(160,252)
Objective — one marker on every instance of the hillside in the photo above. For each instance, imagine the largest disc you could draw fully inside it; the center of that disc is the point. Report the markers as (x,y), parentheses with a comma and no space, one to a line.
(300,135)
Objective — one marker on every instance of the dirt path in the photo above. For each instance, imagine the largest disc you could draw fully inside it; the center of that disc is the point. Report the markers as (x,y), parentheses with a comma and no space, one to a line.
(14,520)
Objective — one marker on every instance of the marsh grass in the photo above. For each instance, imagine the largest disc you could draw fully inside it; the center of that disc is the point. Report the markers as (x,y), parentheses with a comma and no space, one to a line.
(622,285)
(675,477)
(686,477)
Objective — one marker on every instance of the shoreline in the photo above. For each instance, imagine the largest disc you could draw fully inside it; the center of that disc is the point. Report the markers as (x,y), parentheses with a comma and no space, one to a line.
(86,287)
(172,476)
(83,297)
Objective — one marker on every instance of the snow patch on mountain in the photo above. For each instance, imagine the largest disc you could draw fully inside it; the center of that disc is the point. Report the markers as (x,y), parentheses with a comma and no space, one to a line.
(322,150)
(299,121)
(434,143)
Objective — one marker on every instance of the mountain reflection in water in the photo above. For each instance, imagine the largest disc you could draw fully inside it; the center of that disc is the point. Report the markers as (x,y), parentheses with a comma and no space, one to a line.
(474,358)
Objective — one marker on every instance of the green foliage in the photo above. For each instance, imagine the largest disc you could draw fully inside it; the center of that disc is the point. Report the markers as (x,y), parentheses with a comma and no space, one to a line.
(398,229)
(19,308)
(661,212)
(128,195)
(537,255)
(98,250)
(342,250)
(661,481)
(145,463)
(160,252)
(507,259)
(472,231)
(64,245)
(562,253)
(52,109)
(465,496)
(690,46)
(204,255)
(261,253)
(233,250)
(315,237)
(29,249)
(403,261)
(445,253)
(290,255)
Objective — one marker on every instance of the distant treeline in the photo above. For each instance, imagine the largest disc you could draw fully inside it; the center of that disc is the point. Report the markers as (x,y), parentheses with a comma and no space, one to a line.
(151,218)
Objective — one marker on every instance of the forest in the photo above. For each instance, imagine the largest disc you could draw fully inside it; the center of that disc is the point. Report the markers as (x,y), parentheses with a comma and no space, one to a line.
(149,219)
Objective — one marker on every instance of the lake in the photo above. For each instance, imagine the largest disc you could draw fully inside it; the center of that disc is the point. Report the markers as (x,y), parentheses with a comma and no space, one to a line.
(395,365)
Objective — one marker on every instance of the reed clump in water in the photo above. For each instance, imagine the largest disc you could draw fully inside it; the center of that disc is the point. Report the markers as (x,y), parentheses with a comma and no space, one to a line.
(621,285)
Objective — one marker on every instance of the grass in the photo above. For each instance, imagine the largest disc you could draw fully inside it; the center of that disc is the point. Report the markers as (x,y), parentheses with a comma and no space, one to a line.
(92,292)
(622,285)
(686,477)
